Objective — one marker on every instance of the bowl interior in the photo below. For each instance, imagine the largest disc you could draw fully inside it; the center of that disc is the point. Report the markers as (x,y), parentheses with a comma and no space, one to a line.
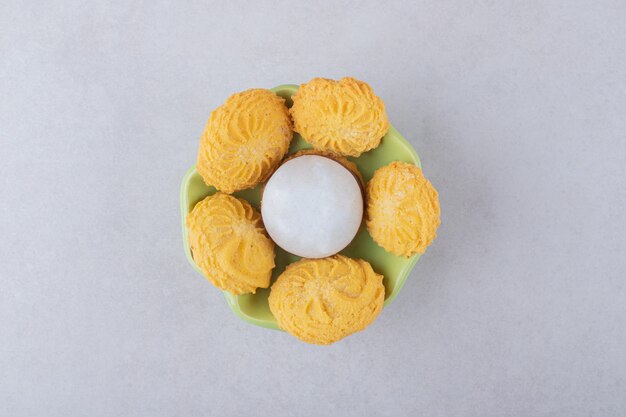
(254,307)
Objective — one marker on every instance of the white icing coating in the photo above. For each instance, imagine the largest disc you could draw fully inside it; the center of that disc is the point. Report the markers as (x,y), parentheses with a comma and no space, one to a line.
(312,206)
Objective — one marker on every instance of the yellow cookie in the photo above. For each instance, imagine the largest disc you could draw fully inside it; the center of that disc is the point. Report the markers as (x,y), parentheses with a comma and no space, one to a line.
(402,209)
(324,300)
(343,117)
(244,140)
(229,244)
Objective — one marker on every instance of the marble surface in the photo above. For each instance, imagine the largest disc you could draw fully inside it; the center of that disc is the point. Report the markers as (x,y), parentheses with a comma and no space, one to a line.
(517,109)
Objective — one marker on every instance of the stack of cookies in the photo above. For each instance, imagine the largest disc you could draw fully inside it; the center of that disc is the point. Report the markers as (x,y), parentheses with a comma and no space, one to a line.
(313,204)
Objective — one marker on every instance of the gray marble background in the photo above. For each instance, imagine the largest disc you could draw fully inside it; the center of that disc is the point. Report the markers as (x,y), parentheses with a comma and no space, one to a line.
(517,109)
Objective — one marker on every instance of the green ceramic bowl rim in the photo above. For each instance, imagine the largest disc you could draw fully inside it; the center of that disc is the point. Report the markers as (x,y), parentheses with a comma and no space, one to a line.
(230,298)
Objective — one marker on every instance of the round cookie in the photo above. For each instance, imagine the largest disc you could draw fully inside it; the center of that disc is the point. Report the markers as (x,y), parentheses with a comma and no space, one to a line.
(244,140)
(312,206)
(343,117)
(402,212)
(321,301)
(230,245)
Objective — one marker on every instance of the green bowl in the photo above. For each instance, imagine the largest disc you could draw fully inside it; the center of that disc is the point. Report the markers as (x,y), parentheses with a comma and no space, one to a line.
(254,308)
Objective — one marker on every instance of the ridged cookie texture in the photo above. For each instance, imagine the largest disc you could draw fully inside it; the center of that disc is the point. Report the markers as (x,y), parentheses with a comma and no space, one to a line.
(230,245)
(321,301)
(343,117)
(402,213)
(244,140)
